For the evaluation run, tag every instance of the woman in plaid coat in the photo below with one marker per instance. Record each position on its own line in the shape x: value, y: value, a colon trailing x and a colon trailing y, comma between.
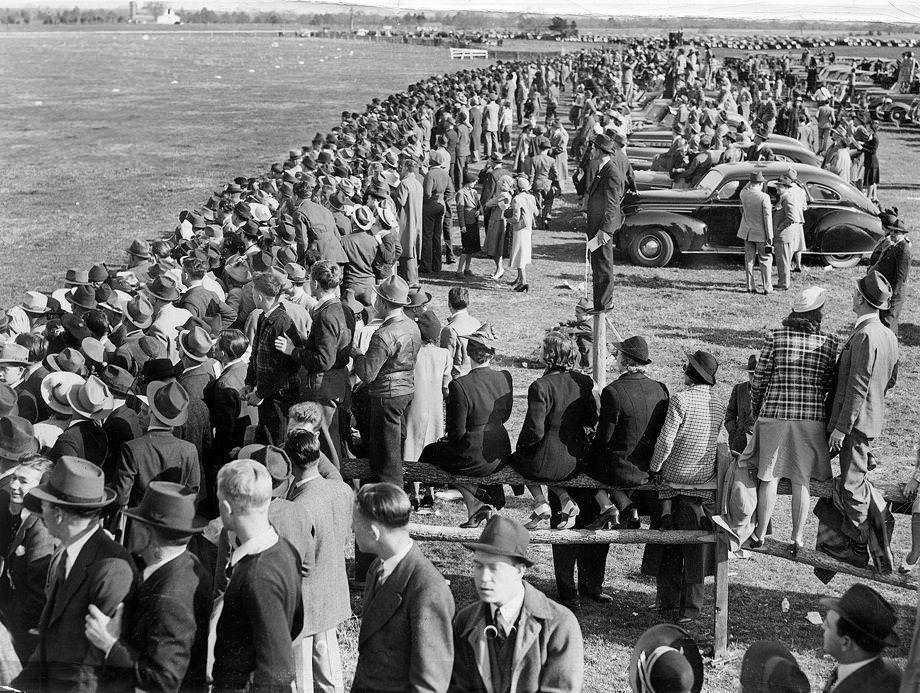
x: 794, y: 374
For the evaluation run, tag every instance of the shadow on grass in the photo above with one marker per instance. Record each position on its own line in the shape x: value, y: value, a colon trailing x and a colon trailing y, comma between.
x: 644, y: 281
x: 909, y: 334
x: 721, y: 336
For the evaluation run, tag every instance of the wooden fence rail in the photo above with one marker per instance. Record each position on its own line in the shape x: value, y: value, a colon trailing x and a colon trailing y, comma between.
x: 428, y: 474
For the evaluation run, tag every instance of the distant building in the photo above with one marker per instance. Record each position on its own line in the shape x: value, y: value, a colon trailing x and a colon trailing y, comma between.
x: 431, y: 28
x: 169, y: 17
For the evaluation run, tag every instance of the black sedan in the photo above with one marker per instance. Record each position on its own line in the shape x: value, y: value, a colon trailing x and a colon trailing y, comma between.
x: 841, y: 224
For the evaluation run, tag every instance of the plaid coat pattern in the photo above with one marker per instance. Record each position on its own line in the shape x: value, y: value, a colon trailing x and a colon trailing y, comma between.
x: 686, y: 449
x: 794, y: 374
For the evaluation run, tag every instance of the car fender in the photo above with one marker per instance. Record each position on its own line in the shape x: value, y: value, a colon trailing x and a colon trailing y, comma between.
x: 688, y: 233
x: 845, y: 232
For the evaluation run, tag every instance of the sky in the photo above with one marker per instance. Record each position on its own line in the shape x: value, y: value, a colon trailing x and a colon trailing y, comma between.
x: 870, y: 10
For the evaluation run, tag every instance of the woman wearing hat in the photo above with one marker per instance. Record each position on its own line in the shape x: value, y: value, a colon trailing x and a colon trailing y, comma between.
x: 497, y: 229
x: 791, y: 382
x: 477, y: 442
x: 892, y: 259
x: 561, y: 409
x: 666, y: 659
x: 523, y: 216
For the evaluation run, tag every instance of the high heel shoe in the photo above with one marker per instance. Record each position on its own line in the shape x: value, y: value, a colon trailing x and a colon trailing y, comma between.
x: 608, y: 519
x: 755, y: 543
x: 794, y: 549
x: 539, y: 515
x: 629, y: 517
x: 522, y: 288
x: 567, y: 515
x: 497, y: 275
x: 906, y: 567
x: 484, y: 514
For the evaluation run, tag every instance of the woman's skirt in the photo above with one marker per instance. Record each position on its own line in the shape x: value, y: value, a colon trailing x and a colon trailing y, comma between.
x: 788, y: 449
x: 520, y: 249
x: 495, y: 237
x: 469, y: 238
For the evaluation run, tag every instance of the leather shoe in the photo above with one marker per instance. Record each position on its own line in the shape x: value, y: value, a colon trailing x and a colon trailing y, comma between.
x: 478, y: 517
x: 600, y: 598
x: 573, y: 605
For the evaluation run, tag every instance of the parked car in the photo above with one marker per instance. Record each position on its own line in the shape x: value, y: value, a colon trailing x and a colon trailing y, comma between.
x: 841, y: 224
x: 641, y: 159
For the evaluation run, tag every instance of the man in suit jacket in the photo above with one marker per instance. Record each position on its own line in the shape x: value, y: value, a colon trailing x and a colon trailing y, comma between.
x: 513, y: 638
x: 225, y: 401
x: 857, y: 628
x: 163, y: 645
x: 315, y: 226
x: 90, y: 569
x: 325, y: 356
x: 892, y: 260
x: 756, y: 230
x: 198, y: 300
x: 405, y: 641
x: 866, y: 370
x: 328, y: 503
x: 158, y: 454
x: 739, y: 419
x: 84, y: 436
x: 197, y: 367
x: 789, y: 232
x: 26, y: 548
x: 603, y: 207
x: 408, y: 199
x: 490, y: 116
x: 437, y: 192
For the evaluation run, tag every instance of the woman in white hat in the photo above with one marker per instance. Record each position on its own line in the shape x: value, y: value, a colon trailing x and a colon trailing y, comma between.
x: 793, y: 377
x: 524, y: 212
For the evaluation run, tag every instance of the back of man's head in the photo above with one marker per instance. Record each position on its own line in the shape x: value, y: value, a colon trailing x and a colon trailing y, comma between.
x: 267, y: 283
x: 302, y: 446
x: 245, y: 485
x: 458, y: 297
x: 384, y: 503
x: 326, y: 274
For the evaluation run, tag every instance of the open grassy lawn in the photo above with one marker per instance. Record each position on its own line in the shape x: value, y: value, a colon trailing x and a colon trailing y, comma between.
x: 108, y: 137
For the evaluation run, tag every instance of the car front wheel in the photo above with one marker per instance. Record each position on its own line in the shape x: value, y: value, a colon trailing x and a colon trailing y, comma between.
x: 897, y: 115
x: 651, y: 248
x: 842, y: 261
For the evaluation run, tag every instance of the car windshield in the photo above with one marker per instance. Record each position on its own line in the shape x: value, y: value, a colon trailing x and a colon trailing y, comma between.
x: 709, y: 181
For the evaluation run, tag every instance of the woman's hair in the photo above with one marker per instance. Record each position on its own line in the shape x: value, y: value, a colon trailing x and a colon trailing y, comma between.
x: 808, y: 322
x: 478, y: 353
x: 560, y: 351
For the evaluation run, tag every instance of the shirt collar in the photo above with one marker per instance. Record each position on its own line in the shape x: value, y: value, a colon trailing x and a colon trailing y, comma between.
x: 389, y: 564
x: 172, y: 553
x: 308, y: 479
x: 231, y: 363
x: 511, y: 609
x: 323, y: 301
x: 255, y: 545
x: 844, y: 670
x: 864, y: 318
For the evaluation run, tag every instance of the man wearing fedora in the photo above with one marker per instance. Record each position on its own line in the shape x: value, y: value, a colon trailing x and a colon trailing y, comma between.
x: 388, y: 369
x: 198, y: 300
x: 513, y: 638
x: 123, y: 424
x: 138, y: 259
x: 405, y: 641
x: 138, y: 316
x: 163, y: 294
x: 788, y: 231
x: 17, y: 438
x: 14, y: 361
x: 162, y: 645
x: 158, y: 454
x: 198, y: 369
x: 90, y: 569
x: 685, y: 458
x: 612, y: 178
x: 84, y: 436
x: 360, y: 249
x: 325, y: 355
x: 866, y: 370
x: 271, y: 379
x: 315, y: 225
x: 756, y: 230
x: 892, y: 260
x: 408, y: 198
x: 857, y: 629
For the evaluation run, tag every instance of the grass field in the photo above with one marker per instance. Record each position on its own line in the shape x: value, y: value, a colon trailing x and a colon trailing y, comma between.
x: 109, y: 136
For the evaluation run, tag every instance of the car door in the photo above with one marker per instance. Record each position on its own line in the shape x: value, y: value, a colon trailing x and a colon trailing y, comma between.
x: 722, y: 215
x: 821, y: 199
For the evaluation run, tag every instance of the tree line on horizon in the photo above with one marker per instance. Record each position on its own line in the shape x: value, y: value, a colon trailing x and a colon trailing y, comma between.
x: 450, y: 21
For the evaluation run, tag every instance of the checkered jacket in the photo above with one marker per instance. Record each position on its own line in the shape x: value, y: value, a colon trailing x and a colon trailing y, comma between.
x: 686, y: 449
x: 794, y: 375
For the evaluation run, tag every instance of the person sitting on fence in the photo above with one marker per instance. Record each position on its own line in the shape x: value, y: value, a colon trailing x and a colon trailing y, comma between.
x: 791, y: 383
x: 685, y: 459
x: 477, y: 443
x: 522, y: 641
x: 857, y: 629
x: 561, y: 409
x: 769, y: 667
x: 632, y: 412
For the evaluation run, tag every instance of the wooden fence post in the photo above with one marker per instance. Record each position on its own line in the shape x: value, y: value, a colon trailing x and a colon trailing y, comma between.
x: 599, y: 350
x: 720, y: 641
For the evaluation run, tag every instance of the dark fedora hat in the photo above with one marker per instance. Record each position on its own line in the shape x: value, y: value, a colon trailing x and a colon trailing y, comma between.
x: 705, y: 364
x: 635, y: 348
x: 98, y: 273
x: 875, y: 289
x: 9, y: 402
x: 168, y: 401
x: 82, y: 296
x: 139, y: 248
x: 160, y: 369
x: 75, y: 327
x: 666, y: 657
x: 17, y: 438
x: 168, y: 506
x: 604, y: 144
x: 418, y: 297
x: 752, y: 363
x: 868, y: 612
x: 503, y: 536
x: 163, y: 288
x: 195, y: 343
x: 72, y: 483
x: 484, y: 336
x: 119, y: 380
x: 756, y: 177
x: 278, y: 464
x: 768, y: 665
